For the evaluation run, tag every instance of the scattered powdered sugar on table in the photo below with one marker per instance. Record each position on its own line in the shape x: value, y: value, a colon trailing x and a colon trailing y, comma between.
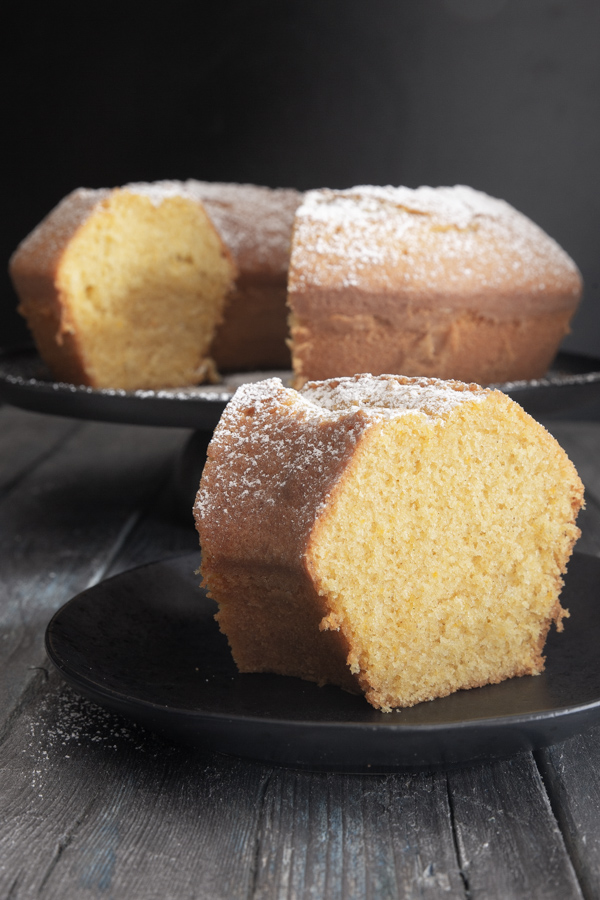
x: 62, y: 725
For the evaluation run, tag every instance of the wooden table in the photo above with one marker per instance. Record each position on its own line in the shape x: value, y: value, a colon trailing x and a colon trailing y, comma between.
x: 93, y: 806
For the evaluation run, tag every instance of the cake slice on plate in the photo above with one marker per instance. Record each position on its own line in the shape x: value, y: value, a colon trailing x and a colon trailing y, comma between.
x: 401, y: 537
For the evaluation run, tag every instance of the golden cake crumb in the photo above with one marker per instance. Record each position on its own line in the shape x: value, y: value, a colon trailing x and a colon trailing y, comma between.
x: 124, y: 288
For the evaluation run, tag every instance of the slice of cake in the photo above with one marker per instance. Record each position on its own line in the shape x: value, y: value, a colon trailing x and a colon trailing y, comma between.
x: 443, y: 282
x: 124, y: 288
x: 400, y: 537
x: 255, y: 223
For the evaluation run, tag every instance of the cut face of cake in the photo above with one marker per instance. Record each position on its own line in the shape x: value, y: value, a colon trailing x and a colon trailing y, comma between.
x: 444, y: 282
x: 124, y: 288
x: 404, y: 538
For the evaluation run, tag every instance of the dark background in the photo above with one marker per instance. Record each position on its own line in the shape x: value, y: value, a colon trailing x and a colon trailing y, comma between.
x: 503, y: 95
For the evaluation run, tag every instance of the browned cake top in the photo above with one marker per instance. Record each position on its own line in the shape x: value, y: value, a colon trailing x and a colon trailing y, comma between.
x: 451, y: 244
x: 255, y: 222
x: 270, y: 436
x: 47, y: 241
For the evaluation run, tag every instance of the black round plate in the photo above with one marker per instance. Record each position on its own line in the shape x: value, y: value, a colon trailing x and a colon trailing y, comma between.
x: 145, y: 645
x: 26, y: 382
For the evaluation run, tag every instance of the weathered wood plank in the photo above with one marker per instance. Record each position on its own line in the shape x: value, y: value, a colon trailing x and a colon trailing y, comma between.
x: 339, y: 836
x: 59, y: 528
x: 508, y: 839
x: 26, y: 439
x: 94, y: 806
x: 344, y: 836
x: 571, y: 771
x: 157, y: 535
x: 104, y: 808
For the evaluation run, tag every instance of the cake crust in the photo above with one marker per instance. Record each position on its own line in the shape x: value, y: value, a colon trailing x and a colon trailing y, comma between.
x: 33, y: 268
x: 255, y: 223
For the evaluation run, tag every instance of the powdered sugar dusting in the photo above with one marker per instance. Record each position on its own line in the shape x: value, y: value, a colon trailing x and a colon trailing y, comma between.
x: 271, y: 442
x: 454, y: 206
x: 255, y: 222
x: 390, y: 395
x: 159, y: 191
x: 48, y: 239
x: 435, y: 241
x: 42, y: 248
x: 271, y: 436
x: 277, y: 454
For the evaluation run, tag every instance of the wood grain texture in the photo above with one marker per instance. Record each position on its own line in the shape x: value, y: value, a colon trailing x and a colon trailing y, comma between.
x: 26, y: 439
x: 338, y: 836
x: 159, y: 534
x: 108, y: 810
x: 93, y: 806
x: 104, y: 808
x: 60, y: 526
x: 509, y: 843
x: 571, y: 771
